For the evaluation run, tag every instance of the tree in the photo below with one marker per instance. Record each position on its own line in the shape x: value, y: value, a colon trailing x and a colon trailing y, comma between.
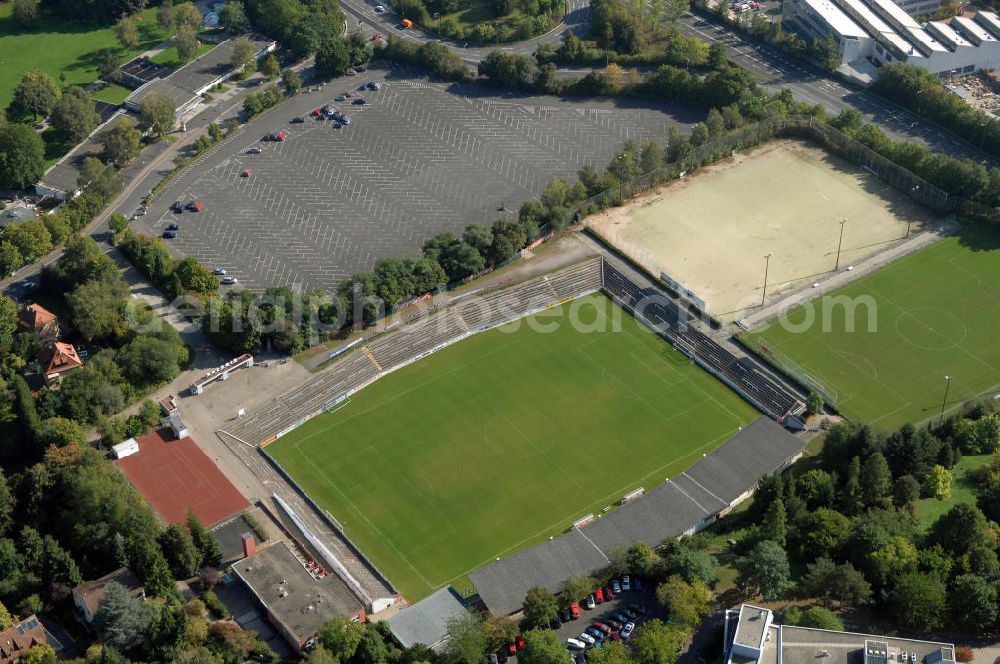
x: 540, y: 608
x: 243, y: 54
x: 542, y: 646
x: 25, y: 11
x: 500, y: 630
x: 775, y: 523
x: 98, y: 309
x: 333, y: 59
x: 717, y: 58
x: 766, y: 569
x: 74, y: 114
x: 31, y: 238
x: 641, y: 559
x: 973, y: 602
x: 692, y: 564
x: 165, y: 16
x: 109, y: 65
x: 611, y: 652
x: 699, y: 135
x: 121, y: 620
x: 961, y: 529
x: 937, y: 484
x: 876, y: 481
x: 851, y: 500
x: 233, y: 17
x: 905, y: 491
x: 320, y: 655
x: 180, y: 551
x: 157, y: 113
x: 60, y: 432
x: 687, y: 604
x: 205, y: 542
x: 823, y: 532
x: 578, y: 587
x: 40, y: 654
x: 268, y: 66
x: 122, y: 143
x: 290, y: 78
x: 195, y: 277
x: 127, y: 32
x: 816, y: 617
x: 6, y: 620
x: 188, y: 14
x: 460, y: 260
x: 468, y: 642
x: 918, y: 600
x: 341, y: 637
x: 657, y: 643
x: 814, y: 404
x: 187, y: 43
x: 36, y: 94
x: 7, y: 505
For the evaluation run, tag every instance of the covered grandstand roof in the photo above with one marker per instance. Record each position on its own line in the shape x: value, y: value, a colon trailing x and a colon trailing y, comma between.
x: 426, y: 621
x: 677, y: 506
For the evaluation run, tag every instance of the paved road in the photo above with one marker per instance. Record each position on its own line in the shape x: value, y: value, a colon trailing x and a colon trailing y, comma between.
x: 778, y: 71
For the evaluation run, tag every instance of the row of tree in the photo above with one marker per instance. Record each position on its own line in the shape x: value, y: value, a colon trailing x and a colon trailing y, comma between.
x: 512, y: 19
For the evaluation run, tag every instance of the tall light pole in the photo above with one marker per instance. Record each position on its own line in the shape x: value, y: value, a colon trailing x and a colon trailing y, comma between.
x: 947, y: 386
x: 909, y: 220
x: 767, y: 265
x: 621, y: 180
x: 840, y: 244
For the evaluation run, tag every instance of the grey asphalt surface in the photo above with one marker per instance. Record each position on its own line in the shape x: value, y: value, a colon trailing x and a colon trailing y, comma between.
x: 421, y: 158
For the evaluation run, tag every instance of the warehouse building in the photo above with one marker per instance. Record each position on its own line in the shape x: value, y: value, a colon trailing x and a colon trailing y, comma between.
x: 871, y: 33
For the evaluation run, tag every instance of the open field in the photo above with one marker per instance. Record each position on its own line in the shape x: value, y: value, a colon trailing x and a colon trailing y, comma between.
x: 504, y: 439
x: 712, y: 230
x: 931, y: 314
x: 58, y: 45
x: 930, y: 510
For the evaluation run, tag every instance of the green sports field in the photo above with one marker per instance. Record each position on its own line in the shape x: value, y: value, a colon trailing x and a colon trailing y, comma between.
x: 506, y: 438
x: 936, y: 313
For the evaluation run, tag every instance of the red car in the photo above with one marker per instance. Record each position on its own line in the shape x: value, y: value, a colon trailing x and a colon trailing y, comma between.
x: 317, y: 112
x: 574, y: 609
x: 246, y: 173
x: 520, y: 641
x: 599, y: 596
x: 511, y: 649
x: 602, y: 627
x: 608, y: 595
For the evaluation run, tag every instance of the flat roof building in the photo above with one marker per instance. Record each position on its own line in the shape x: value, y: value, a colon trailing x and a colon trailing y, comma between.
x: 298, y: 602
x: 757, y: 639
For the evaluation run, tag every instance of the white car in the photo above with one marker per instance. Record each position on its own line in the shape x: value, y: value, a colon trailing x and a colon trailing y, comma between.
x: 590, y: 602
x: 626, y: 583
x: 587, y: 638
x: 627, y: 630
x: 576, y: 644
x: 229, y: 281
x: 379, y: 9
x: 219, y: 272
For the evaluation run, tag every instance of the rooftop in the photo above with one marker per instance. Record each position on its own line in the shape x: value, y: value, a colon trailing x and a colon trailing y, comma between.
x: 91, y: 592
x: 295, y: 598
x: 750, y: 630
x: 61, y: 357
x: 20, y: 637
x: 35, y: 316
x: 426, y: 621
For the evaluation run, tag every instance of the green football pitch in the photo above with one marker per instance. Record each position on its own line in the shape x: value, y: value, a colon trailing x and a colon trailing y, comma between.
x: 935, y: 313
x: 501, y: 440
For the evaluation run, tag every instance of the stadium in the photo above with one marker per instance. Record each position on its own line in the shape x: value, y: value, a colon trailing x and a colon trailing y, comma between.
x: 490, y: 428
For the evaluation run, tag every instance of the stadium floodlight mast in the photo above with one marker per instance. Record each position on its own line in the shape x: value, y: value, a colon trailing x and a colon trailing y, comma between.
x: 909, y: 220
x: 944, y: 402
x: 840, y: 244
x: 767, y: 265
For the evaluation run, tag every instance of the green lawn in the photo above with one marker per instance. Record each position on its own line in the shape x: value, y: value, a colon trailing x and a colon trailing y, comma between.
x: 962, y: 490
x: 504, y: 439
x: 169, y: 57
x: 113, y: 94
x: 60, y: 46
x: 55, y: 147
x: 932, y: 314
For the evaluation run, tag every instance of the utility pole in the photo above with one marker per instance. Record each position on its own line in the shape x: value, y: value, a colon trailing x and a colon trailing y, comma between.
x: 909, y: 220
x: 767, y: 265
x: 621, y: 180
x: 840, y: 244
x: 947, y: 386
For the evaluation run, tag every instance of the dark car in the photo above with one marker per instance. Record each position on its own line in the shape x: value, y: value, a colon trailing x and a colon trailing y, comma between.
x: 501, y: 656
x: 608, y: 595
x: 360, y: 101
x: 173, y: 227
x: 556, y: 623
x: 194, y: 206
x: 298, y: 119
x: 632, y: 615
x: 169, y: 235
x: 635, y: 608
x: 177, y: 207
x: 613, y: 624
x: 567, y: 615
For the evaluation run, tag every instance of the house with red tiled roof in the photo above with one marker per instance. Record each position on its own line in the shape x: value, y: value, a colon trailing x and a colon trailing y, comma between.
x: 59, y: 358
x: 87, y: 596
x: 17, y: 639
x: 39, y: 320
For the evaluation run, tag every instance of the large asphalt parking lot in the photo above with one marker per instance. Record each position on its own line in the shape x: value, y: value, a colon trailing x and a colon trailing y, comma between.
x: 420, y: 158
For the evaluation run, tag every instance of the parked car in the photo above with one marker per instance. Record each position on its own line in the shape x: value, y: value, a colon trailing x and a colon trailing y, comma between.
x: 590, y: 602
x: 379, y: 9
x: 615, y: 586
x: 345, y: 120
x: 575, y: 644
x: 169, y: 235
x: 194, y: 206
x: 637, y: 583
x: 626, y: 583
x: 316, y: 112
x: 635, y: 608
x: 615, y: 625
x: 177, y: 207
x: 348, y: 94
x: 246, y: 173
x: 574, y: 610
x: 511, y: 648
x: 631, y: 615
x: 219, y: 272
x: 360, y: 68
x: 596, y: 633
x: 372, y: 85
x: 173, y: 227
x: 519, y: 641
x: 587, y: 638
x: 492, y: 659
x: 627, y: 630
x: 599, y: 595
x: 608, y: 595
x: 556, y: 623
x: 619, y: 617
x: 340, y: 98
x: 566, y: 615
x: 502, y: 656
x: 601, y: 626
x: 362, y: 87
x: 229, y: 281
x: 360, y: 101
x: 579, y: 658
x: 254, y: 151
x: 298, y: 119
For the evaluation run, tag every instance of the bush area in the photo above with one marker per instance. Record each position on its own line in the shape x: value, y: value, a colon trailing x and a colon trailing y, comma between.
x: 925, y: 94
x: 484, y: 21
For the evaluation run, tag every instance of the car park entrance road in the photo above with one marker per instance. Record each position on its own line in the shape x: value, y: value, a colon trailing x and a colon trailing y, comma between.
x: 416, y: 160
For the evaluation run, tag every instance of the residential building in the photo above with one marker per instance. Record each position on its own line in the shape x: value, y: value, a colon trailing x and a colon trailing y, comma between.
x: 40, y: 321
x: 297, y: 599
x: 59, y: 358
x: 753, y: 637
x: 20, y: 637
x: 87, y: 596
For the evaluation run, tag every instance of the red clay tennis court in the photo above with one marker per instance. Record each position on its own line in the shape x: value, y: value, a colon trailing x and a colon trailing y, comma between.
x: 175, y: 475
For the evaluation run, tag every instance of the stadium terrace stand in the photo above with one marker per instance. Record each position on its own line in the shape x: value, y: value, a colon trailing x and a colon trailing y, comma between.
x: 681, y: 505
